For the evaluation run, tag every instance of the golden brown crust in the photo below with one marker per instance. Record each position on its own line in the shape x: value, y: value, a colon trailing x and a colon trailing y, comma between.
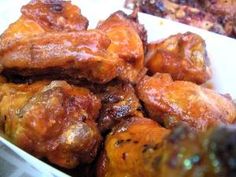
x: 126, y: 34
x: 47, y: 40
x: 40, y: 16
x: 184, y: 56
x: 130, y: 148
x: 55, y: 15
x: 52, y: 120
x: 78, y: 54
x: 174, y: 101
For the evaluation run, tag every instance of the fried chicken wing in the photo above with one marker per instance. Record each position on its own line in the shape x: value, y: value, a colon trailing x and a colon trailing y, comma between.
x: 130, y: 149
x: 52, y: 120
x: 119, y: 102
x: 128, y: 39
x: 61, y: 55
x: 41, y: 16
x: 55, y: 15
x: 135, y: 151
x: 174, y: 101
x: 185, y: 153
x: 184, y: 56
x: 47, y: 41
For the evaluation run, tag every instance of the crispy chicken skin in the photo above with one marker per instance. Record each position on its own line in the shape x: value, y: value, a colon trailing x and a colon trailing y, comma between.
x: 55, y: 15
x: 75, y: 55
x: 184, y: 56
x: 52, y: 120
x: 171, y: 101
x: 128, y: 39
x: 44, y: 42
x: 119, y: 102
x: 135, y: 151
x: 186, y: 153
x: 41, y: 16
x: 130, y: 149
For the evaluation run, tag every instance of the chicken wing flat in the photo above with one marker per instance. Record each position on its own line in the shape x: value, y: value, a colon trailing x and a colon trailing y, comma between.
x: 41, y: 16
x: 59, y: 55
x: 133, y: 150
x: 171, y: 101
x: 52, y: 120
x: 119, y: 102
x: 130, y: 149
x: 184, y: 56
x: 47, y: 42
x: 128, y: 39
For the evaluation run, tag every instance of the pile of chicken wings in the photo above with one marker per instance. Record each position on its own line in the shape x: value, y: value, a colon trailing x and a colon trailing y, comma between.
x: 106, y: 97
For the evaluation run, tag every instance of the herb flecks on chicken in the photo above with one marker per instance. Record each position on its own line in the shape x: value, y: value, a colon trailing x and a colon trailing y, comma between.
x: 139, y: 147
x: 119, y: 102
x: 130, y: 148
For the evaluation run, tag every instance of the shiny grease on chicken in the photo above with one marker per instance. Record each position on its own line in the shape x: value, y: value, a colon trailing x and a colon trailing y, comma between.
x: 171, y: 101
x: 46, y: 43
x: 72, y: 55
x: 128, y: 40
x: 140, y: 147
x: 40, y: 16
x: 51, y: 120
x: 183, y: 56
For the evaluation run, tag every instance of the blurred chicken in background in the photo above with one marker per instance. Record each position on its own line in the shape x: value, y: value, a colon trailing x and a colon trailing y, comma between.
x: 214, y: 15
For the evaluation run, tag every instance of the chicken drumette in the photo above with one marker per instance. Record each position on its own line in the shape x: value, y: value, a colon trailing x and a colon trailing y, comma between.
x: 128, y: 40
x: 52, y: 120
x: 171, y: 101
x: 130, y: 148
x: 184, y: 56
